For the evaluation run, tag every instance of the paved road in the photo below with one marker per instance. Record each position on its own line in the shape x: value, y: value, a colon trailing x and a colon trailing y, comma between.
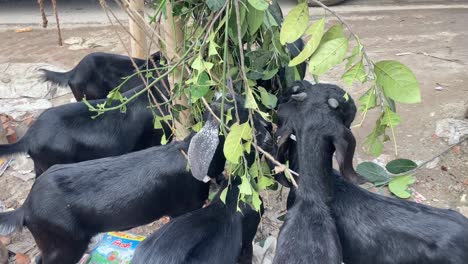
x: 73, y: 13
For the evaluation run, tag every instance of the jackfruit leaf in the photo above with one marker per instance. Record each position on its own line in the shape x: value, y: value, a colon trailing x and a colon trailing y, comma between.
x: 355, y: 73
x: 233, y: 147
x: 295, y: 24
x: 401, y: 166
x: 397, y: 81
x: 372, y: 172
x: 399, y: 186
x: 315, y: 32
x: 328, y: 55
x: 259, y: 4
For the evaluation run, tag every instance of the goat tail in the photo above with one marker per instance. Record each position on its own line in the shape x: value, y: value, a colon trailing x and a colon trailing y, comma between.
x: 59, y: 78
x: 11, y: 221
x: 10, y: 149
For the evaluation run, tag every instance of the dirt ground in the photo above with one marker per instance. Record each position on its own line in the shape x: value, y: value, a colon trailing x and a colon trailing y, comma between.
x: 432, y: 42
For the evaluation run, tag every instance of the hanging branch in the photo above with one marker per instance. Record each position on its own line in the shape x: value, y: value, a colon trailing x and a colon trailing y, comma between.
x: 44, y: 17
x: 54, y: 5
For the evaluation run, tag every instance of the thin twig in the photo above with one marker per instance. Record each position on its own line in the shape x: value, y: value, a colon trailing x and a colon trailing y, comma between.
x: 44, y: 17
x: 433, y: 158
x: 54, y: 5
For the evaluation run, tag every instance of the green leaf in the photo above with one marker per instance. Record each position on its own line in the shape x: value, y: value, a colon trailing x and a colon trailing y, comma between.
x: 372, y: 172
x: 163, y: 140
x: 259, y: 4
x: 158, y: 121
x: 250, y: 100
x: 233, y: 147
x: 355, y: 73
x: 233, y: 23
x: 333, y: 32
x: 346, y: 96
x: 374, y: 144
x: 328, y: 55
x: 315, y: 32
x: 269, y: 20
x: 264, y: 182
x: 197, y: 64
x: 368, y: 100
x: 202, y: 87
x: 253, y: 170
x: 399, y: 186
x: 268, y: 100
x: 254, y: 19
x: 267, y: 75
x: 215, y: 5
x: 256, y: 202
x: 265, y: 116
x: 390, y: 118
x: 295, y: 23
x: 357, y: 52
x: 401, y: 166
x: 223, y: 194
x: 197, y: 127
x: 245, y: 187
x: 213, y: 46
x: 397, y: 82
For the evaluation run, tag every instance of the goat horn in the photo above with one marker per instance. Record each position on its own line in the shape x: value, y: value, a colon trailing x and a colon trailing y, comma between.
x: 333, y: 103
x: 299, y: 97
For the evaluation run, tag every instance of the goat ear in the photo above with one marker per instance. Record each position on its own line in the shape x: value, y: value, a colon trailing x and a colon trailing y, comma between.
x: 345, y: 144
x: 202, y: 150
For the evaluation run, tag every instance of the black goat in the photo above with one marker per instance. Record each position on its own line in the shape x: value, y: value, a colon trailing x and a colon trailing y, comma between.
x: 214, y: 234
x: 379, y: 229
x: 309, y: 234
x: 98, y: 73
x: 71, y: 203
x: 68, y: 134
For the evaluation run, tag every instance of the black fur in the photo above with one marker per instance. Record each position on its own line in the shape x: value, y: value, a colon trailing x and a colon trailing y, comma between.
x: 98, y: 73
x: 214, y: 234
x: 68, y: 134
x: 386, y: 230
x: 309, y: 234
x: 71, y: 203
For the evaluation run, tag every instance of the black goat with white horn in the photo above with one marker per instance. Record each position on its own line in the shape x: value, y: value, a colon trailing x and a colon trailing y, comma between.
x: 373, y: 228
x: 309, y: 234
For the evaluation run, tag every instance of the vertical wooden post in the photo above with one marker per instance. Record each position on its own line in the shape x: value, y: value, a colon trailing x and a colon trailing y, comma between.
x: 174, y: 37
x: 44, y: 17
x: 138, y: 42
x: 54, y: 6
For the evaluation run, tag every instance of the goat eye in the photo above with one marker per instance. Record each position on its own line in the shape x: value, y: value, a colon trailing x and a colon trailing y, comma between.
x: 333, y: 103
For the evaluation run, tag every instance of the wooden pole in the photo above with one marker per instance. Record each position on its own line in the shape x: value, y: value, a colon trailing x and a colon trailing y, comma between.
x: 138, y: 41
x: 54, y: 5
x: 174, y: 37
x: 44, y: 17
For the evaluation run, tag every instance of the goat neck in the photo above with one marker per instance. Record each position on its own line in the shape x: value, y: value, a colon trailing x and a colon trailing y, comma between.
x: 315, y: 167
